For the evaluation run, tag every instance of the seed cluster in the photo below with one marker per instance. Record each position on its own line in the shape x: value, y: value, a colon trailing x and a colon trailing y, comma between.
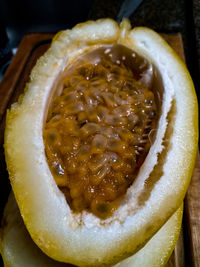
x: 96, y: 134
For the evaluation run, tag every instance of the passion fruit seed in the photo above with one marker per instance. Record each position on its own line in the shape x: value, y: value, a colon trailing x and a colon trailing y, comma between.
x: 100, y: 122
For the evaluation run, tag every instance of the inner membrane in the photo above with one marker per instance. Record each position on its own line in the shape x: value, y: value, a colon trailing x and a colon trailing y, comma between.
x: 100, y: 126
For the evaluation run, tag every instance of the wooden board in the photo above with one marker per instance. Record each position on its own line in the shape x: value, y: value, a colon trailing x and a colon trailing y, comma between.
x: 187, y: 251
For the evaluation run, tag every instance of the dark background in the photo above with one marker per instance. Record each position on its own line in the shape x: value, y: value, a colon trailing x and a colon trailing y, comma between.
x: 169, y: 16
x: 19, y: 17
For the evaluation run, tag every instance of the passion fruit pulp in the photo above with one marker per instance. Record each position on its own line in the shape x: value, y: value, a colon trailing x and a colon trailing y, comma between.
x: 99, y: 125
x: 163, y: 177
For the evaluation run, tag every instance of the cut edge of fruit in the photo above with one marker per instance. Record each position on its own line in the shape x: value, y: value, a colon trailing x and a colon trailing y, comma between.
x: 18, y: 249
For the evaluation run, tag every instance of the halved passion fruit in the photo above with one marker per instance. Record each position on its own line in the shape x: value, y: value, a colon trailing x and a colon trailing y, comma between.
x: 18, y: 249
x: 101, y: 147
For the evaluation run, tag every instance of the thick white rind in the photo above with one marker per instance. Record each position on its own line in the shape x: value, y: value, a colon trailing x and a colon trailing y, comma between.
x: 46, y: 214
x: 18, y: 249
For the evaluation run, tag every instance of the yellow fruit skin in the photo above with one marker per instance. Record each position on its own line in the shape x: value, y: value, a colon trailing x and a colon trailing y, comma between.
x: 48, y: 218
x: 18, y: 249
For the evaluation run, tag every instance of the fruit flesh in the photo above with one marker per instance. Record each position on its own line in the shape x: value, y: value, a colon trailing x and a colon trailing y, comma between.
x: 97, y: 133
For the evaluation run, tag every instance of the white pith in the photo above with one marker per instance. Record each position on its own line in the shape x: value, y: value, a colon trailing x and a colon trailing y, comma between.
x: 18, y: 249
